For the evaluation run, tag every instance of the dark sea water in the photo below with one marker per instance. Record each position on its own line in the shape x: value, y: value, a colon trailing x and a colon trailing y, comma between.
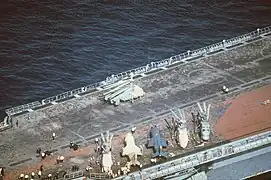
x: 47, y: 47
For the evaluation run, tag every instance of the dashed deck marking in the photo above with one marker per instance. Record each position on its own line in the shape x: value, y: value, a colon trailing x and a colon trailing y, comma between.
x: 78, y: 135
x: 20, y: 162
x: 164, y: 113
x: 224, y: 72
x: 198, y: 59
x: 168, y: 106
x: 262, y: 58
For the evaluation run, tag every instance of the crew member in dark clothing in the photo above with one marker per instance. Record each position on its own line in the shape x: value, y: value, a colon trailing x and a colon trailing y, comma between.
x: 38, y: 151
x: 41, y: 168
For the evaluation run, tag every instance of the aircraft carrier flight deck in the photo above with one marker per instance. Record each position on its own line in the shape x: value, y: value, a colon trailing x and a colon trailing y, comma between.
x: 241, y: 67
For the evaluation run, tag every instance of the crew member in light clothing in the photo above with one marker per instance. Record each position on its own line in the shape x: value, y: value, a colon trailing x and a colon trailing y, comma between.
x: 133, y: 130
x: 32, y: 175
x: 54, y: 135
x: 39, y: 173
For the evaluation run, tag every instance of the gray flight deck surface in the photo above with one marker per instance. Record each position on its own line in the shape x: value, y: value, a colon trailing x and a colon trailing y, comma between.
x: 83, y: 118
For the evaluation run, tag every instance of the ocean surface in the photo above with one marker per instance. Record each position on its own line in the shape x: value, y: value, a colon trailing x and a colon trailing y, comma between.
x: 48, y: 47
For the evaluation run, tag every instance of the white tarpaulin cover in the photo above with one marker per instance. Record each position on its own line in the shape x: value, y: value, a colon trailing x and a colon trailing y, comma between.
x: 124, y: 92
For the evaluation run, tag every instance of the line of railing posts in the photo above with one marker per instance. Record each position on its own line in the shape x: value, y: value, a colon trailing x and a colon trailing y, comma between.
x: 141, y: 70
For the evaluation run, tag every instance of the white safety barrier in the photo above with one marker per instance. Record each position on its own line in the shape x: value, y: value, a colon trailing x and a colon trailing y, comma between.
x: 141, y: 70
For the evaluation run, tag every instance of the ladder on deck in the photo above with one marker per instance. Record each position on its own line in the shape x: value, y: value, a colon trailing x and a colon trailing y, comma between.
x: 74, y: 175
x: 99, y: 176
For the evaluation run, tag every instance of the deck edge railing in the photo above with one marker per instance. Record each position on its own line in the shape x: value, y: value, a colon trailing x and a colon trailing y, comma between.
x: 141, y: 70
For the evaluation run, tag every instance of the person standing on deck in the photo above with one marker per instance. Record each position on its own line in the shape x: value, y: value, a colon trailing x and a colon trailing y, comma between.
x: 39, y: 174
x: 1, y: 173
x: 43, y: 155
x: 41, y: 168
x: 53, y: 136
x: 38, y: 151
x: 133, y: 130
x: 32, y: 175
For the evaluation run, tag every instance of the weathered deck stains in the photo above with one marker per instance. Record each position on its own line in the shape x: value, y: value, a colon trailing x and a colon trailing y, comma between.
x: 246, y: 114
x: 87, y: 116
